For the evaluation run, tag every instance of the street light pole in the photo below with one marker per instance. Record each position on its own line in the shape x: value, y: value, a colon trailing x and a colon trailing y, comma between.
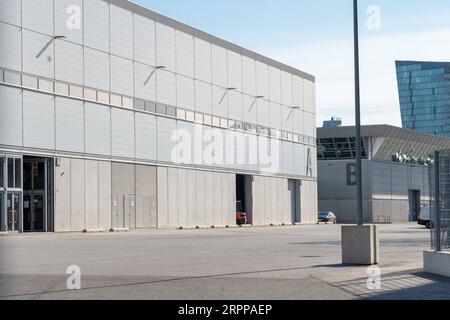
x: 359, y: 206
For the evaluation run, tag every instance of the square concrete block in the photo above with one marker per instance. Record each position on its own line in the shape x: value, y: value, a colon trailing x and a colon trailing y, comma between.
x: 360, y: 245
x: 437, y: 263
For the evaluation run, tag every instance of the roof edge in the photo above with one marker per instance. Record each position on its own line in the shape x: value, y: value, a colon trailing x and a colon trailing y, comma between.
x: 148, y: 13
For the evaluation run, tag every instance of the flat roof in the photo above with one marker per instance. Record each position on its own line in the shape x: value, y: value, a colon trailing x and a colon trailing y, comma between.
x: 147, y: 13
x: 378, y: 130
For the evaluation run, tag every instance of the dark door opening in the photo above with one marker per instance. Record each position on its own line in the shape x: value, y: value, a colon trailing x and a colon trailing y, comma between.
x: 37, y: 194
x: 244, y: 199
x: 414, y: 205
x: 294, y: 195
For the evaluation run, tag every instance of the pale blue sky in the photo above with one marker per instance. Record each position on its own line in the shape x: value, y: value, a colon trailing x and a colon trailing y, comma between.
x: 316, y: 37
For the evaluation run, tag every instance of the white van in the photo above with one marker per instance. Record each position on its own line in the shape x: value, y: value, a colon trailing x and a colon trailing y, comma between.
x: 425, y: 217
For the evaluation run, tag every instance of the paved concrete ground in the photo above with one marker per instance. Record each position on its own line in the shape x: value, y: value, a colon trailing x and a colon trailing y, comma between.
x: 301, y: 262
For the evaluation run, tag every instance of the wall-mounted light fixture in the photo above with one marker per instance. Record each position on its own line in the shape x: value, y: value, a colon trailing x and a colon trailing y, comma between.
x: 153, y: 72
x: 48, y: 44
x: 290, y: 112
x: 225, y: 93
x: 254, y: 101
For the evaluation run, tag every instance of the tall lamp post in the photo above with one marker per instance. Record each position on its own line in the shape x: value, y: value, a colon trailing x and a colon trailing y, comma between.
x: 359, y: 206
x: 360, y: 243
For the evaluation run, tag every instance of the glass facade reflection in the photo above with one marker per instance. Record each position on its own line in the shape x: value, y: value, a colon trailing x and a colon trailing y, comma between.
x: 424, y: 90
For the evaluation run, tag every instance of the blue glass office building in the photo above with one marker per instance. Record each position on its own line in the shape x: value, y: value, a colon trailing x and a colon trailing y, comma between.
x: 424, y: 90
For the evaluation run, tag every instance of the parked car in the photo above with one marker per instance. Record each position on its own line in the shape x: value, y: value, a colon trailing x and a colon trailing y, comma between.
x: 425, y: 217
x: 327, y: 217
x: 241, y: 216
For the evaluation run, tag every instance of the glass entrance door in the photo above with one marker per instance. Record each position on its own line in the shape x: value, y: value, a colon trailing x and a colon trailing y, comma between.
x: 13, y: 211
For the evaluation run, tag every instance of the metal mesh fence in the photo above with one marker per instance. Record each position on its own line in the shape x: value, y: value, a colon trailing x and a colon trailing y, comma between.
x: 439, y: 177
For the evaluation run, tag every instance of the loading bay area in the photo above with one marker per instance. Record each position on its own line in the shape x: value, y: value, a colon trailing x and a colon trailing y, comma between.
x: 266, y: 263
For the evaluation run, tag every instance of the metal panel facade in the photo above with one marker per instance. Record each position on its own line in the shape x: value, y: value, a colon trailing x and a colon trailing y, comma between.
x: 11, y: 112
x: 69, y: 125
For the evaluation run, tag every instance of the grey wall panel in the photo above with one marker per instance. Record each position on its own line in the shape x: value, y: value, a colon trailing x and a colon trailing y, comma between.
x: 121, y: 32
x: 203, y: 61
x: 217, y: 196
x: 62, y: 196
x: 299, y: 160
x: 98, y: 129
x: 96, y: 24
x: 219, y: 102
x: 249, y: 76
x: 145, y: 87
x: 203, y: 97
x: 200, y: 188
x: 182, y: 200
x: 263, y: 112
x: 69, y: 125
x: 69, y: 62
x: 165, y: 43
x: 185, y: 143
x: 77, y: 195
x: 270, y: 216
x: 298, y: 122
x: 309, y: 128
x: 69, y: 19
x: 123, y: 184
x: 37, y: 15
x: 10, y: 46
x: 172, y: 191
x: 91, y: 176
x: 96, y: 69
x: 104, y: 195
x: 166, y: 127
x: 258, y: 210
x: 275, y: 116
x: 122, y: 137
x: 309, y: 206
x: 234, y: 70
x: 274, y: 84
x: 219, y: 66
x: 11, y: 11
x: 226, y: 200
x: 232, y: 190
x: 309, y: 93
x: 287, y: 157
x: 184, y: 54
x: 191, y: 198
x: 186, y: 93
x: 298, y: 92
x: 286, y: 89
x: 262, y: 79
x: 145, y: 196
x: 209, y: 198
x: 287, y: 118
x: 166, y: 88
x: 251, y: 150
x: 144, y: 40
x: 10, y: 116
x: 235, y: 109
x: 38, y: 54
x: 162, y: 193
x: 122, y: 76
x: 250, y: 109
x: 146, y: 147
x: 38, y: 120
x: 272, y: 197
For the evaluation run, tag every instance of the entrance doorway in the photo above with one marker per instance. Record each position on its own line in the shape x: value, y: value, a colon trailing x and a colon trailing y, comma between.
x: 414, y: 205
x: 10, y: 193
x: 13, y: 211
x: 244, y: 199
x: 294, y: 195
x: 37, y: 194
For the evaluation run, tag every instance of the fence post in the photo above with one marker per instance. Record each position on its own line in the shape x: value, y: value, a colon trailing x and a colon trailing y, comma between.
x: 437, y: 202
